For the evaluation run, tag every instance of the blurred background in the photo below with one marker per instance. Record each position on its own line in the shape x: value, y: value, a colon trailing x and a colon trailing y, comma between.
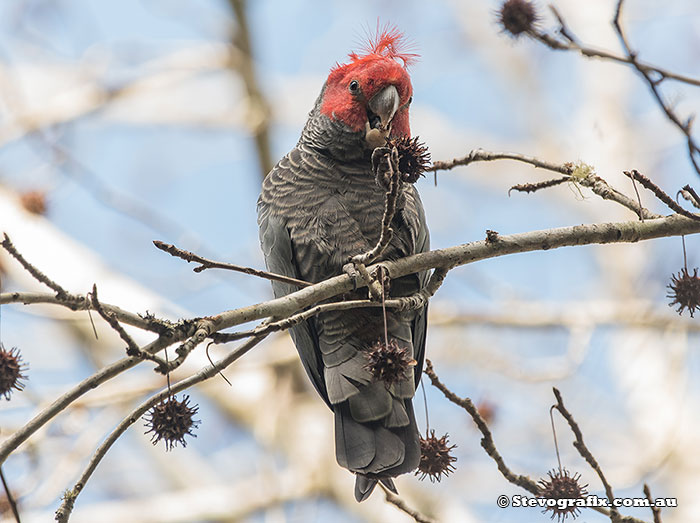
x: 125, y: 122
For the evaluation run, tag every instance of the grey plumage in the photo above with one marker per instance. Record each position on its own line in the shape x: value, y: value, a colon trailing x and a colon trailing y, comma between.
x: 319, y: 206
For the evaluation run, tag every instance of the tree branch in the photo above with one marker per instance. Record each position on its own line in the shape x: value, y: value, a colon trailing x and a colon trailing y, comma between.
x: 293, y: 303
x: 570, y: 43
x: 210, y: 264
x: 587, y: 455
x: 36, y: 273
x: 401, y: 505
x: 487, y: 440
x: 80, y: 303
x: 577, y: 173
x: 64, y: 511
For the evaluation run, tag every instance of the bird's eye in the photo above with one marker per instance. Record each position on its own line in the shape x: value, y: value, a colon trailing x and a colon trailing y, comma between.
x: 354, y: 86
x: 410, y: 100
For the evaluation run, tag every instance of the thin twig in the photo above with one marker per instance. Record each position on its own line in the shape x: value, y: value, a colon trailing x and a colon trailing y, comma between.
x: 656, y: 511
x: 577, y: 173
x: 88, y: 384
x: 36, y: 273
x: 487, y: 440
x: 294, y: 319
x: 132, y: 348
x: 479, y: 155
x: 360, y: 261
x: 415, y: 301
x: 586, y: 454
x: 80, y: 303
x: 489, y: 446
x: 689, y: 194
x: 401, y: 505
x: 660, y: 194
x: 64, y: 511
x: 533, y: 187
x: 10, y: 497
x: 685, y: 127
x: 210, y: 264
x: 572, y: 44
x: 653, y: 75
x: 204, y: 329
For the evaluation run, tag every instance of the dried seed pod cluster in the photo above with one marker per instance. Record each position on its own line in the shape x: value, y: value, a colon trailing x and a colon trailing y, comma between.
x: 562, y: 485
x: 414, y: 158
x: 517, y: 17
x: 171, y: 420
x: 435, y: 458
x: 12, y: 371
x: 389, y: 363
x: 684, y: 290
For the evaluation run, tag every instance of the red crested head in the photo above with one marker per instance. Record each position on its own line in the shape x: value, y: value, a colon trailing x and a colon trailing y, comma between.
x: 373, y: 91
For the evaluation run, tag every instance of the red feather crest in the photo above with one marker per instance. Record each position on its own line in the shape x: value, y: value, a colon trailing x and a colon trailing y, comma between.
x: 387, y: 42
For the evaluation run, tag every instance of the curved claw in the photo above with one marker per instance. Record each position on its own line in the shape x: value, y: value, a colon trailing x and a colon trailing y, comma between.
x: 350, y: 270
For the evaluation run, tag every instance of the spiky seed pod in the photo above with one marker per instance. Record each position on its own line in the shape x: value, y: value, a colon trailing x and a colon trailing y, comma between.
x: 517, y: 17
x: 435, y: 458
x: 684, y: 290
x: 12, y: 370
x: 562, y: 485
x: 414, y: 158
x: 389, y: 363
x: 171, y: 420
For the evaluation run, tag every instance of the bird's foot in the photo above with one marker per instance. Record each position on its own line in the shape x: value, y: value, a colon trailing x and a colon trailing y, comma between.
x: 355, y: 277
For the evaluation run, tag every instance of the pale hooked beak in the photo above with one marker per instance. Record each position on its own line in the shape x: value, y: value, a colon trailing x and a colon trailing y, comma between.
x: 381, y: 109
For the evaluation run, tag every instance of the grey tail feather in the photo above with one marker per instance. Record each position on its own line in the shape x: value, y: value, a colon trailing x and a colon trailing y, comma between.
x: 364, y: 487
x: 389, y: 484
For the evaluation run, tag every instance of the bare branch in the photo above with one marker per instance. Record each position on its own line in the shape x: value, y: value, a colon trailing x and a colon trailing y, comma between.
x: 572, y: 44
x: 534, y: 187
x: 36, y: 273
x: 479, y: 155
x: 64, y: 511
x: 586, y: 454
x: 79, y: 303
x: 689, y: 194
x: 132, y: 348
x: 210, y: 264
x: 653, y: 75
x: 88, y: 384
x: 303, y: 298
x: 577, y: 173
x: 487, y: 440
x: 401, y: 505
x: 660, y: 194
x: 656, y: 511
x: 10, y: 497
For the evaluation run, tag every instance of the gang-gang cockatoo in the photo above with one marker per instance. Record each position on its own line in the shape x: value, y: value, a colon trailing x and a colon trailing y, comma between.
x: 320, y: 206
